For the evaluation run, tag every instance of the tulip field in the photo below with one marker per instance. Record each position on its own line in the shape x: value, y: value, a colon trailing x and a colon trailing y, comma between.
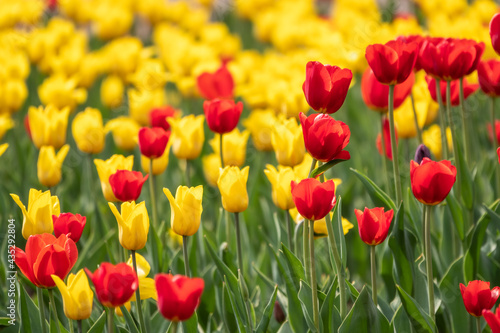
x: 284, y: 166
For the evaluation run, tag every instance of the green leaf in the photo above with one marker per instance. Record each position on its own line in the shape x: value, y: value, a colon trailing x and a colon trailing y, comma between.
x: 237, y: 315
x: 268, y: 312
x: 449, y: 286
x: 98, y: 326
x: 400, y: 320
x: 419, y: 319
x: 191, y: 325
x: 228, y: 315
x: 130, y: 321
x: 305, y: 297
x: 325, y: 167
x: 330, y: 316
x: 267, y: 280
x: 294, y: 265
x: 465, y: 178
x: 379, y: 197
x: 365, y: 317
x: 338, y: 232
x: 457, y: 214
x: 25, y: 313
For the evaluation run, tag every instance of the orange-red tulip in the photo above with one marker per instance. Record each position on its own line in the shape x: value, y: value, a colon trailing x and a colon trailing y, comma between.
x: 312, y: 198
x: 222, y: 114
x: 432, y: 181
x: 127, y: 185
x: 373, y: 224
x: 477, y: 297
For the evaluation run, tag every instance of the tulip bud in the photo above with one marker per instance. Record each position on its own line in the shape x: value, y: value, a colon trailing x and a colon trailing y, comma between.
x: 49, y: 165
x: 222, y: 115
x: 186, y: 209
x: 188, y: 136
x: 133, y: 224
x: 422, y: 151
x: 432, y: 181
x: 232, y: 185
x: 278, y: 312
x: 127, y: 185
x: 153, y: 141
x: 108, y: 167
x: 76, y: 294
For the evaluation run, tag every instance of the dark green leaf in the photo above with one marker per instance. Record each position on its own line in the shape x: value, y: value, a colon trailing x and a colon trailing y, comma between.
x: 379, y: 197
x: 325, y: 167
x: 268, y: 312
x: 419, y: 319
x: 129, y: 320
x: 457, y: 214
x: 98, y: 326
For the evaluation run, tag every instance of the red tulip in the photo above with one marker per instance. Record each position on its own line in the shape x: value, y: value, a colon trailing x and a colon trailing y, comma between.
x: 477, y: 297
x: 127, y: 185
x: 498, y: 153
x: 450, y: 59
x: 153, y: 141
x: 373, y: 224
x: 324, y: 137
x: 114, y: 285
x: 493, y: 319
x: 393, y: 62
x: 46, y: 255
x: 69, y: 225
x: 222, y: 114
x: 432, y: 181
x: 495, y: 32
x: 490, y: 131
x: 158, y: 116
x: 488, y: 73
x: 312, y: 198
x: 27, y: 126
x: 417, y: 39
x: 376, y: 95
x: 387, y: 140
x: 469, y: 89
x: 219, y: 84
x: 325, y: 87
x: 178, y: 295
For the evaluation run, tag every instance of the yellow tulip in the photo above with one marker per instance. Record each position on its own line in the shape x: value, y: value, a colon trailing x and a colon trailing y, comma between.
x: 177, y: 239
x: 186, y: 209
x: 320, y: 229
x: 49, y: 165
x: 280, y: 180
x: 14, y: 94
x: 76, y: 294
x: 159, y: 164
x: 3, y: 148
x: 234, y: 146
x: 141, y: 102
x: 211, y: 168
x: 48, y: 125
x: 188, y: 136
x: 405, y: 119
x: 133, y: 224
x: 110, y: 166
x: 88, y: 131
x: 260, y: 124
x: 112, y: 89
x: 432, y: 139
x: 112, y: 20
x: 37, y: 219
x: 61, y: 92
x: 302, y: 170
x: 288, y: 142
x: 232, y: 185
x: 124, y: 130
x: 6, y: 123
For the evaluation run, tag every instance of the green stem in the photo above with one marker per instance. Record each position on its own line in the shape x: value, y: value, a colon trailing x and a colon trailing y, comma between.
x: 138, y: 296
x: 442, y: 121
x: 185, y: 252
x: 453, y: 134
x: 312, y: 269
x: 238, y: 241
x: 221, y: 153
x: 188, y: 171
x: 305, y: 250
x: 153, y: 194
x: 54, y: 309
x: 289, y: 230
x: 228, y: 228
x: 395, y: 162
x: 495, y: 143
x: 80, y: 330
x: 297, y: 233
x: 464, y: 123
x: 428, y: 259
x: 419, y: 130
x: 174, y: 326
x: 384, y: 159
x: 374, y: 275
x: 110, y: 313
x: 71, y: 328
x: 478, y: 324
x: 41, y: 307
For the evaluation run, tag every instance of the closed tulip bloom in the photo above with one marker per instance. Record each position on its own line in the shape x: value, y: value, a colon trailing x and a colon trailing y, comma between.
x: 280, y: 181
x: 392, y: 62
x: 153, y: 141
x: 387, y: 140
x: 158, y: 117
x: 432, y: 181
x: 159, y: 164
x: 127, y: 185
x: 325, y: 138
x: 188, y: 136
x: 46, y: 255
x: 260, y: 124
x: 106, y: 168
x: 373, y: 224
x: 112, y: 90
x: 288, y: 142
x: 495, y: 32
x: 76, y: 294
x: 477, y: 296
x: 232, y: 185
x: 124, y: 130
x: 325, y: 87
x: 421, y: 152
x: 312, y: 198
x: 186, y: 209
x: 219, y: 84
x: 222, y: 114
x: 114, y: 285
x: 49, y: 165
x: 376, y: 95
x: 48, y: 125
x: 133, y: 224
x: 469, y: 89
x: 69, y: 224
x: 178, y: 295
x: 493, y: 319
x: 88, y: 131
x: 37, y: 219
x: 234, y: 146
x: 488, y: 73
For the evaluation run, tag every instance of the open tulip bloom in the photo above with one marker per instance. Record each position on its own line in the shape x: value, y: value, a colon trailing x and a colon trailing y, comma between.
x: 479, y: 298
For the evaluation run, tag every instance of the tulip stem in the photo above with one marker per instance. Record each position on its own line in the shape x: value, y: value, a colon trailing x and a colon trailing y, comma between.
x: 152, y: 194
x: 79, y: 324
x: 238, y: 241
x: 185, y: 252
x: 384, y: 160
x: 313, y: 166
x: 464, y: 124
x: 305, y: 250
x: 314, y: 288
x: 494, y: 131
x: 41, y: 307
x: 395, y: 162
x: 188, y: 172
x: 110, y: 314
x: 374, y: 275
x: 289, y: 230
x: 442, y: 120
x: 419, y: 130
x: 71, y: 328
x: 453, y: 134
x: 173, y: 326
x: 138, y: 296
x: 221, y: 153
x: 54, y: 309
x: 428, y: 258
x: 478, y: 324
x: 296, y: 233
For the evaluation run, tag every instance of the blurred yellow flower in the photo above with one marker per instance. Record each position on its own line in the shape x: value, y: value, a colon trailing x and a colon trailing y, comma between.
x: 6, y: 123
x: 260, y: 124
x: 211, y: 168
x: 3, y: 148
x: 61, y: 92
x: 432, y: 139
x: 48, y: 125
x: 88, y: 131
x: 186, y: 209
x: 232, y: 185
x: 13, y: 93
x: 49, y: 165
x: 141, y: 102
x: 124, y: 130
x: 159, y: 164
x: 112, y: 90
x: 320, y: 228
x: 111, y: 19
x: 188, y: 136
x: 133, y: 224
x: 76, y: 294
x: 110, y: 166
x: 280, y: 180
x: 288, y: 142
x: 37, y: 219
x: 234, y: 147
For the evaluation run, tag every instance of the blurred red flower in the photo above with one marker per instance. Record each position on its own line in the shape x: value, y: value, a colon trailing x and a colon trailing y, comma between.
x: 222, y: 114
x: 219, y: 84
